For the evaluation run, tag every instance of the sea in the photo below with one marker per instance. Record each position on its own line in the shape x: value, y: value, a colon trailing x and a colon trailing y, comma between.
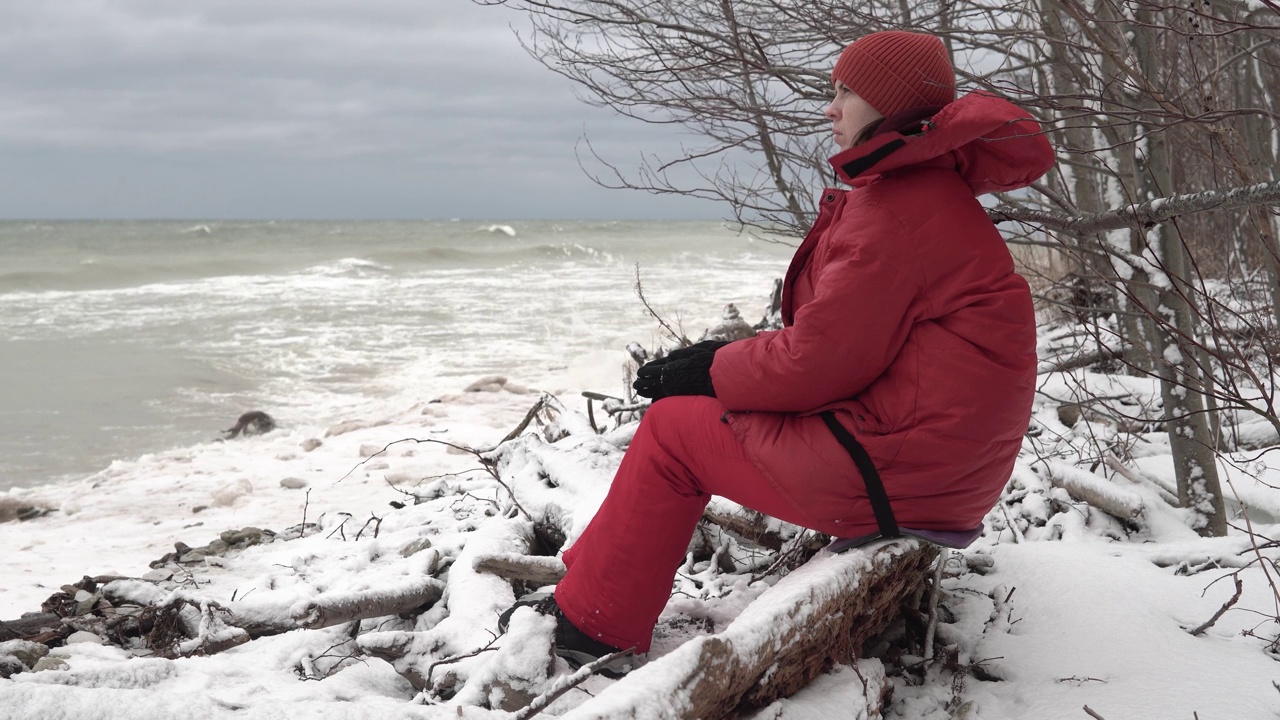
x: 124, y: 338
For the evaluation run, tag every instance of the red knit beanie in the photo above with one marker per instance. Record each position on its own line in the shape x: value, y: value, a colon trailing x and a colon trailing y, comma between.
x: 895, y: 71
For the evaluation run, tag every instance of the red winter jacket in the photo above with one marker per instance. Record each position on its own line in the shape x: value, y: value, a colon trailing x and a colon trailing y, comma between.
x: 903, y: 313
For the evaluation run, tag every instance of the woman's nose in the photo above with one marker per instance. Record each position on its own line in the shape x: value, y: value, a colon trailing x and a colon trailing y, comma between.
x: 830, y: 110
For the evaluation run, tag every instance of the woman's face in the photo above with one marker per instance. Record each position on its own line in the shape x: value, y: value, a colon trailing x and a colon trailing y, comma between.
x: 848, y: 114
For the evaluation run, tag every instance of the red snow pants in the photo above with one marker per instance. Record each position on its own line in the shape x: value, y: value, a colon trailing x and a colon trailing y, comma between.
x: 621, y: 567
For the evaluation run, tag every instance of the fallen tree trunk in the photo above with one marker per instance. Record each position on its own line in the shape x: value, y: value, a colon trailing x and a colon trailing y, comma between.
x: 821, y: 614
x: 751, y: 526
x: 35, y: 627
x: 331, y: 609
x: 176, y: 626
x: 1086, y: 487
x: 534, y: 569
x: 1075, y: 361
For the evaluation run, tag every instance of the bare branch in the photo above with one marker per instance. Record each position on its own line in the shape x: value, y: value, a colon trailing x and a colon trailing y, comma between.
x: 1147, y: 214
x: 1199, y: 629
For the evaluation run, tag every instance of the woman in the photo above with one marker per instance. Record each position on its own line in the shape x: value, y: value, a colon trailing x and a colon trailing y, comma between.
x: 908, y: 339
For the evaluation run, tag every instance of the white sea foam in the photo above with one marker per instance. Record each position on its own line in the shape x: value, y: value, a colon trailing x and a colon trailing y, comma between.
x: 348, y: 266
x: 504, y: 229
x: 174, y: 357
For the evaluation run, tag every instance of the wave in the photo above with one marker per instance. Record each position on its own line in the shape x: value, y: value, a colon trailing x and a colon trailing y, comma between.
x: 453, y: 258
x: 200, y: 229
x: 504, y: 229
x: 127, y: 277
x: 357, y: 267
x: 572, y: 251
x: 24, y: 279
x: 112, y: 274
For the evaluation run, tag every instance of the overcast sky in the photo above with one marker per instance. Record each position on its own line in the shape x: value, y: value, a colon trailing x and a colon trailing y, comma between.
x: 298, y: 109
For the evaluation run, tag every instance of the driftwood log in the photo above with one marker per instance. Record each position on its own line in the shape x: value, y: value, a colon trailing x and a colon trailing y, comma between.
x: 184, y: 626
x: 331, y: 609
x: 44, y: 628
x: 1084, y: 486
x: 748, y: 525
x: 1075, y: 361
x: 821, y: 614
x: 533, y: 569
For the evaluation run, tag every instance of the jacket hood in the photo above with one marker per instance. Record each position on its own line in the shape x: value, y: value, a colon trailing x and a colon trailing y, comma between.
x: 993, y: 144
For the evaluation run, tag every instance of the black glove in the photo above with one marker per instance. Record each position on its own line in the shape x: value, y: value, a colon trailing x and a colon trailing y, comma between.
x: 685, y: 374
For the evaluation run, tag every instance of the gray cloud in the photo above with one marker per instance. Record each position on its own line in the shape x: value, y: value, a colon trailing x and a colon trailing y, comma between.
x: 297, y: 108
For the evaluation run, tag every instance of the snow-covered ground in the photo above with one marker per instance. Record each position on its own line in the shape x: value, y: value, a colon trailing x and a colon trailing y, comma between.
x: 1058, y: 607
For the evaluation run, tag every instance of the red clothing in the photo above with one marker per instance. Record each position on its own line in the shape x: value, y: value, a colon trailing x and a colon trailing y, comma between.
x: 903, y: 313
x: 620, y: 568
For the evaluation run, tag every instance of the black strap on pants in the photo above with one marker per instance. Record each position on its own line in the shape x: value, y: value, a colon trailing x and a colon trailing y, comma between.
x: 875, y: 488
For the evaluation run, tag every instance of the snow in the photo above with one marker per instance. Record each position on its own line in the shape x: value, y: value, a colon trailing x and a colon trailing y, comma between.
x: 1118, y: 240
x: 1058, y: 606
x: 1084, y: 484
x: 840, y: 694
x: 1099, y: 628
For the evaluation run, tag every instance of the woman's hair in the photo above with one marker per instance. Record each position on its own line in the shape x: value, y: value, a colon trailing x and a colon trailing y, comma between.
x: 908, y: 122
x: 868, y: 131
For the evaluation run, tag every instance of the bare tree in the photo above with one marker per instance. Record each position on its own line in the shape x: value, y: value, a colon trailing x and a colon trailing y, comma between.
x: 749, y: 77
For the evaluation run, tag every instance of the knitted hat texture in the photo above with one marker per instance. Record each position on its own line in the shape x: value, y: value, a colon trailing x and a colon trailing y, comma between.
x: 895, y: 71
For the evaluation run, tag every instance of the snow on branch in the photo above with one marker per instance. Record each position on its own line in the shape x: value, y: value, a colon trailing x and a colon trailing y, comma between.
x: 1147, y: 214
x: 1086, y: 487
x: 820, y: 614
x: 335, y: 608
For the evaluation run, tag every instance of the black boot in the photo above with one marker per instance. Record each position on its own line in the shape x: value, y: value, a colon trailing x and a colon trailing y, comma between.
x: 572, y: 644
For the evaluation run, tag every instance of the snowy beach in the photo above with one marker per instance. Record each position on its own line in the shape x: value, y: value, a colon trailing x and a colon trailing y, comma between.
x: 130, y: 346
x: 1051, y: 625
x: 1059, y: 606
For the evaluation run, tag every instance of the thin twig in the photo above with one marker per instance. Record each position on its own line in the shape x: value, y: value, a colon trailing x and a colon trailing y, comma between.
x: 387, y: 447
x: 1253, y: 541
x: 1093, y: 714
x: 591, y: 417
x: 350, y: 633
x: 306, y: 504
x: 479, y: 455
x: 528, y: 418
x: 785, y: 555
x: 376, y: 527
x: 339, y: 528
x: 1009, y: 522
x: 567, y: 683
x: 674, y: 334
x: 487, y: 648
x: 1222, y: 610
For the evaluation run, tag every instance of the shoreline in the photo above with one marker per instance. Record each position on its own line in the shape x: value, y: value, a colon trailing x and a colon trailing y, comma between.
x: 120, y: 519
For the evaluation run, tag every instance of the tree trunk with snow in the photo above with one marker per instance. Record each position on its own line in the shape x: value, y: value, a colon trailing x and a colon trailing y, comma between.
x: 1181, y: 386
x: 825, y: 612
